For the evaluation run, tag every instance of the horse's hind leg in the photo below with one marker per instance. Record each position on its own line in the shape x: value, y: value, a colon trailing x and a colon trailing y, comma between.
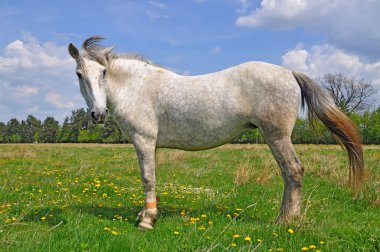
x: 292, y: 173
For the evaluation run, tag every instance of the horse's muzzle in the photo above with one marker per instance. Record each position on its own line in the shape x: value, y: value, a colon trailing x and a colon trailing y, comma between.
x: 99, y: 117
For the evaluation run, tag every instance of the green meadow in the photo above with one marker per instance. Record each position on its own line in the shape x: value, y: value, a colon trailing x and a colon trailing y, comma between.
x: 85, y: 197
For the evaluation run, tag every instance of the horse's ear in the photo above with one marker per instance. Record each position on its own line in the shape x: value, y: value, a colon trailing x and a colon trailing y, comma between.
x: 74, y: 52
x: 106, y: 51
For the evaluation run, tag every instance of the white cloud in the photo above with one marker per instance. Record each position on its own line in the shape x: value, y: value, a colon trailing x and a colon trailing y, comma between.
x: 30, y: 72
x: 324, y: 59
x: 57, y: 101
x: 351, y: 25
x: 154, y: 15
x: 24, y: 91
x: 157, y: 4
x: 216, y: 50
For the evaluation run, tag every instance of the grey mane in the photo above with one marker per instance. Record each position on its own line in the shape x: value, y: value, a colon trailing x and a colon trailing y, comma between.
x: 93, y: 51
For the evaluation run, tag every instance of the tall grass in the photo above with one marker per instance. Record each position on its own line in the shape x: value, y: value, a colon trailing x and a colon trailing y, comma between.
x: 86, y: 197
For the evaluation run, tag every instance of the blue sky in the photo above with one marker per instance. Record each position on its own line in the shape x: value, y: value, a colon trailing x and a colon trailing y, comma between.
x: 189, y: 37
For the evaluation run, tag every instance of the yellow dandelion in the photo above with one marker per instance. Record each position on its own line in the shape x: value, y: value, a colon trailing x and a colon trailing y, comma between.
x: 176, y: 232
x: 280, y: 249
x: 247, y: 238
x: 43, y: 218
x: 321, y: 242
x: 312, y: 246
x: 114, y: 232
x: 233, y: 244
x: 304, y: 248
x: 210, y: 222
x: 229, y: 215
x: 106, y: 229
x: 203, y: 216
x: 259, y: 240
x: 236, y: 236
x: 290, y: 231
x: 201, y: 228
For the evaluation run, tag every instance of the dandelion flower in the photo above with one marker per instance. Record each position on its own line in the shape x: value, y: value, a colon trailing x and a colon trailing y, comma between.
x: 201, y: 228
x: 321, y: 242
x: 247, y: 238
x: 233, y: 244
x: 106, y: 229
x: 290, y: 231
x: 43, y: 218
x: 304, y: 248
x: 176, y: 232
x: 114, y: 232
x: 203, y: 216
x: 312, y: 246
x: 236, y: 236
x: 259, y: 240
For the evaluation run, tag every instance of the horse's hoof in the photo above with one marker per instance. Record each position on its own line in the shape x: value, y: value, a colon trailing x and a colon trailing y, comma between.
x: 145, y: 225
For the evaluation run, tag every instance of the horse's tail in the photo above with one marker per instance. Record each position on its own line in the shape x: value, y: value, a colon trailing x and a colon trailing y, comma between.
x: 321, y: 105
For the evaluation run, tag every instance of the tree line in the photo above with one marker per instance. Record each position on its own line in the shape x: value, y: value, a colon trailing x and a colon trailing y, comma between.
x: 76, y: 128
x: 353, y: 96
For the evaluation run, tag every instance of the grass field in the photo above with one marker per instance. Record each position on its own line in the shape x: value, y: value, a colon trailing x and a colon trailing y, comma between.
x: 86, y: 197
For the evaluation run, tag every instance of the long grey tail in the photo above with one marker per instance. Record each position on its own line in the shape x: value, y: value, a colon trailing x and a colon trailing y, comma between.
x: 321, y: 105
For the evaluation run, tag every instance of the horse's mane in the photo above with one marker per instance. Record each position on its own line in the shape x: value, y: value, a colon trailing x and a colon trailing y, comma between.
x: 93, y: 51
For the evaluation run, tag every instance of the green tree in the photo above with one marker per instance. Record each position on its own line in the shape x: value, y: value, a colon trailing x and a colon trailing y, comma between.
x: 79, y: 120
x: 111, y: 132
x: 13, y: 131
x: 50, y: 130
x: 2, y: 131
x: 33, y: 127
x: 64, y: 132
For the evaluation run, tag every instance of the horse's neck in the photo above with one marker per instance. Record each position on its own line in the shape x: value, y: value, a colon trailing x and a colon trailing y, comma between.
x: 125, y: 77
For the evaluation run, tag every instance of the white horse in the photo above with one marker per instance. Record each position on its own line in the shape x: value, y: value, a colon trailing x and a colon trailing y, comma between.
x: 157, y: 108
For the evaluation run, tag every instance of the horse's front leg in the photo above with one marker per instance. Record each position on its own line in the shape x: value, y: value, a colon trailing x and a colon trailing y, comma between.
x: 146, y: 153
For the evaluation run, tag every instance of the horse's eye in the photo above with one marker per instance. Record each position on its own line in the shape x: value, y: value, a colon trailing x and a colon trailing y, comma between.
x: 79, y: 75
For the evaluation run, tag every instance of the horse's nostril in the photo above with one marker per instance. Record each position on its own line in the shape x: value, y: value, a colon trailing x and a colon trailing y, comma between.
x: 107, y: 112
x: 93, y: 116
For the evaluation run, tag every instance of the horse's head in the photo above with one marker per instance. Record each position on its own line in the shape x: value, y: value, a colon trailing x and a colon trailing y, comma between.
x: 92, y: 74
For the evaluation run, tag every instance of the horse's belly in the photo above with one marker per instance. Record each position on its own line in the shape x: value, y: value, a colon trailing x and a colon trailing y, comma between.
x: 199, y: 136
